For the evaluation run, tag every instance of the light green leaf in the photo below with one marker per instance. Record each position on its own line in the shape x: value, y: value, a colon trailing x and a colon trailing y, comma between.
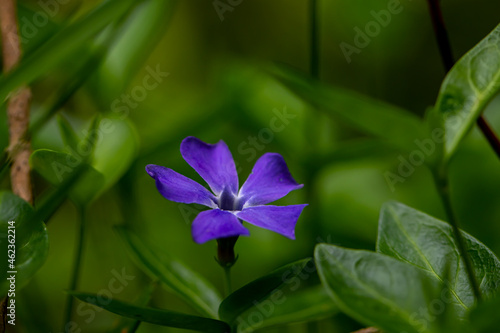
x: 155, y: 316
x: 427, y: 243
x: 31, y: 241
x: 466, y: 91
x: 376, y: 289
x: 190, y: 286
x: 69, y: 137
x: 258, y: 290
x: 380, y: 119
x: 280, y: 309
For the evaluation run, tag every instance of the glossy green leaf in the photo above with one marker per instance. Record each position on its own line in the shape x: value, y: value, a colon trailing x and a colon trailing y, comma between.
x: 31, y: 241
x: 383, y: 120
x: 186, y: 283
x: 427, y: 243
x: 63, y: 45
x: 155, y: 316
x: 258, y: 290
x: 466, y: 91
x: 55, y: 167
x: 280, y: 309
x: 376, y: 289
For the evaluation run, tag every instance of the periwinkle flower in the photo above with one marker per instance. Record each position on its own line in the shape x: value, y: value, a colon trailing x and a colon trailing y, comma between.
x: 270, y: 180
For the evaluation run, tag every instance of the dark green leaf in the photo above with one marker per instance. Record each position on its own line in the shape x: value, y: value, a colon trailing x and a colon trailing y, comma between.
x: 245, y: 298
x: 398, y: 126
x: 484, y: 318
x: 31, y: 241
x: 427, y: 243
x: 280, y: 309
x: 178, y: 277
x: 376, y: 289
x: 155, y: 316
x: 466, y: 91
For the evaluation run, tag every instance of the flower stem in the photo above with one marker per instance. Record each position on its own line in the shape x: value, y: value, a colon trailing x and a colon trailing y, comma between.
x: 80, y: 239
x: 442, y: 185
x: 448, y: 62
x: 227, y: 280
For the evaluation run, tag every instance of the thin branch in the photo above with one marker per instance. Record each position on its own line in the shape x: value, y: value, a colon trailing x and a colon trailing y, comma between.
x: 448, y: 62
x: 18, y: 117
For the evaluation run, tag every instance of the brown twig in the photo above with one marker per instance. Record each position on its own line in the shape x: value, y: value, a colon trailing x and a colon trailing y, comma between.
x: 368, y: 330
x: 18, y: 116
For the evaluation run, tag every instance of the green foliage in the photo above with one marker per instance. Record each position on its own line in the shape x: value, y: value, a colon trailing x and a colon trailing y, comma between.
x: 31, y: 242
x: 466, y: 91
x: 427, y: 243
x: 171, y: 272
x: 155, y: 316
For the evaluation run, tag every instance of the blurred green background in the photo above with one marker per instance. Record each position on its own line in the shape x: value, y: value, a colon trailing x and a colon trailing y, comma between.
x: 218, y: 87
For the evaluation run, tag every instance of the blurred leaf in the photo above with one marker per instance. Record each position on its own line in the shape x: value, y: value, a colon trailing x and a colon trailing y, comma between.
x: 116, y: 145
x: 56, y: 167
x: 376, y: 289
x: 155, y: 316
x: 466, y: 91
x: 398, y: 126
x: 127, y: 325
x: 427, y: 243
x: 484, y: 317
x: 68, y: 135
x: 245, y: 298
x: 62, y: 45
x: 31, y: 241
x: 142, y: 31
x: 282, y: 309
x: 179, y: 278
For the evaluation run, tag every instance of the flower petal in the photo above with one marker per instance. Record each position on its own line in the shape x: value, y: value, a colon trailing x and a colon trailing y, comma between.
x: 280, y: 219
x: 216, y: 223
x: 176, y: 187
x: 270, y: 180
x: 214, y: 163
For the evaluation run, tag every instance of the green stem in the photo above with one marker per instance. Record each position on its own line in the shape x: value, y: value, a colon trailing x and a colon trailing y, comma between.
x: 227, y: 280
x: 442, y: 185
x: 80, y: 239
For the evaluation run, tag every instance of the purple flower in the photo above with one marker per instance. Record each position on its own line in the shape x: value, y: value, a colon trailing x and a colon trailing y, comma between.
x: 270, y: 180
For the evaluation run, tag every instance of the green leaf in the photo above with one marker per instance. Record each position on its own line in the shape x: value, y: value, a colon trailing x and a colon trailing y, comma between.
x: 191, y: 287
x: 258, y: 290
x: 466, y: 91
x: 116, y: 146
x: 69, y: 137
x: 380, y: 119
x: 155, y: 316
x: 31, y: 241
x: 427, y: 243
x: 62, y: 45
x: 280, y: 309
x: 376, y: 289
x: 142, y: 31
x: 56, y: 167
